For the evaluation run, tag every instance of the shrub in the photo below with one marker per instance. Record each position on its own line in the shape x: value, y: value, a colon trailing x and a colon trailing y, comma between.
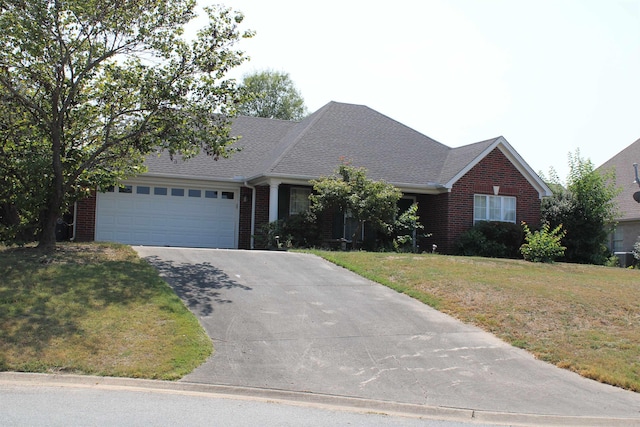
x: 407, y: 227
x: 542, y: 245
x: 297, y: 231
x: 491, y: 239
x: 636, y: 251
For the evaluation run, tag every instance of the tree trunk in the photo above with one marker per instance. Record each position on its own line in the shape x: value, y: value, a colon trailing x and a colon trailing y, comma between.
x: 52, y: 211
x: 48, y: 221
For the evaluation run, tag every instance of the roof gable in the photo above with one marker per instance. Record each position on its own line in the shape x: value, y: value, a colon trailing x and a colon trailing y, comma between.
x: 464, y: 158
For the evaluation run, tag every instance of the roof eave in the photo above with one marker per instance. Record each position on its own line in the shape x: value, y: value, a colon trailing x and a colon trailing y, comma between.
x: 263, y: 179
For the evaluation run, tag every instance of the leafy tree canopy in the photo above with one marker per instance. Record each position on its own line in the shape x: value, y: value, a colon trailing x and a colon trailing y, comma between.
x: 586, y: 209
x: 350, y: 191
x: 272, y: 95
x: 88, y: 88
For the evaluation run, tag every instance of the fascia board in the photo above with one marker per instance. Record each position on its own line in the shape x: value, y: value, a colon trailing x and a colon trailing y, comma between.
x: 156, y: 177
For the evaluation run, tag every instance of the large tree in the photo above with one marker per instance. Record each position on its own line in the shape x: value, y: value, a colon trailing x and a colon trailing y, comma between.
x: 272, y: 95
x: 586, y: 209
x: 352, y: 193
x: 88, y: 88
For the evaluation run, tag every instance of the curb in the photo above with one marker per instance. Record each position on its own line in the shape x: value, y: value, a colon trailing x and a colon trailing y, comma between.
x: 323, y: 401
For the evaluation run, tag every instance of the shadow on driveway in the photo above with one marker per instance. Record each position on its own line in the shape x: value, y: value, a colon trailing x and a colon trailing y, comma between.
x: 200, y: 286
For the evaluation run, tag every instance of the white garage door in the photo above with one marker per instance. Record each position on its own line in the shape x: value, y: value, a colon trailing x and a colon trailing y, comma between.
x: 142, y: 214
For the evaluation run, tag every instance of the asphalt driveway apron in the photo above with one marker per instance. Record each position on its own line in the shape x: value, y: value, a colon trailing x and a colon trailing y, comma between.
x: 292, y: 321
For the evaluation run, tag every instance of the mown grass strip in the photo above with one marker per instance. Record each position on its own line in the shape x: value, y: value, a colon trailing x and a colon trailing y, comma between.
x: 94, y: 309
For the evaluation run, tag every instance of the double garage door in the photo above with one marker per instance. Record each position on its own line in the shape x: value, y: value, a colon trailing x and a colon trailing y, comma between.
x: 165, y: 215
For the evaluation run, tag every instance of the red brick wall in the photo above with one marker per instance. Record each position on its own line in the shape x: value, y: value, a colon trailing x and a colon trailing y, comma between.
x: 434, y: 216
x: 262, y: 206
x: 495, y: 169
x: 86, y: 219
x: 244, y: 226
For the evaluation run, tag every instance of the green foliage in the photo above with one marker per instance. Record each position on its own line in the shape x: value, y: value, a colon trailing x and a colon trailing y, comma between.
x: 297, y: 231
x: 350, y: 191
x: 492, y: 239
x: 272, y: 95
x: 89, y: 88
x: 586, y: 209
x: 406, y: 228
x: 636, y: 251
x: 542, y: 245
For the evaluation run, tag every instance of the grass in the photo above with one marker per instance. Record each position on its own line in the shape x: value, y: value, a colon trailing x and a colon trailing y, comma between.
x: 93, y: 309
x: 579, y: 317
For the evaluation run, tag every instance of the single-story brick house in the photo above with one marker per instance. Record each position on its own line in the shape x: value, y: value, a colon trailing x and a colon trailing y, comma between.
x: 220, y: 204
x: 628, y: 229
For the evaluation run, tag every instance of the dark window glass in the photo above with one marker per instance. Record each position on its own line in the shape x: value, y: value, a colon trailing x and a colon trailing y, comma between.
x: 195, y: 193
x: 210, y: 194
x: 227, y: 195
x: 160, y: 191
x: 140, y: 189
x: 126, y: 189
x: 177, y: 192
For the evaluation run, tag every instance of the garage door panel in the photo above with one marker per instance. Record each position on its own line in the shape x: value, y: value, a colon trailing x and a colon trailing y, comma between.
x: 155, y: 219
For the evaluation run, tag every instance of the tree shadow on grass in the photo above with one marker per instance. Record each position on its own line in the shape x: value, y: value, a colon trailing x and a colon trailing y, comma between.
x: 44, y: 302
x: 200, y: 286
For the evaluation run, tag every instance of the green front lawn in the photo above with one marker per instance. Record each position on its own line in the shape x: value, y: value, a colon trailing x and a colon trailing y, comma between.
x: 580, y: 317
x: 94, y: 309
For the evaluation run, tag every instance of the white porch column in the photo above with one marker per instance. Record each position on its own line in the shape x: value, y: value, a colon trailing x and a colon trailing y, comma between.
x: 273, y: 200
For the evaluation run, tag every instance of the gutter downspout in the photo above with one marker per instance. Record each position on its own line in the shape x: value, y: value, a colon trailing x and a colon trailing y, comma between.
x: 253, y: 212
x: 75, y: 221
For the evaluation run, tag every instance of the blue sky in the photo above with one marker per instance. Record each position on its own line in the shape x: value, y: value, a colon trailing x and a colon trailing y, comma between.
x: 551, y: 76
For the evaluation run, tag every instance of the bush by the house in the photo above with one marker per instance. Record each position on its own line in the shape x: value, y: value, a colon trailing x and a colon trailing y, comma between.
x: 491, y: 239
x: 297, y: 231
x: 542, y: 245
x: 636, y: 252
x: 407, y: 227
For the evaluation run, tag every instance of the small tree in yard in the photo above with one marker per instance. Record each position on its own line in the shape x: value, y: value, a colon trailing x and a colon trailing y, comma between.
x: 89, y: 88
x: 352, y: 193
x: 542, y: 245
x: 406, y: 228
x: 586, y: 209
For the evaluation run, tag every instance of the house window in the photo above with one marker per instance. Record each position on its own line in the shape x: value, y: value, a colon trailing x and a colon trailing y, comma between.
x: 195, y: 193
x: 494, y: 208
x: 617, y: 240
x: 227, y: 195
x: 299, y: 200
x: 126, y: 189
x: 211, y: 194
x: 179, y: 192
x: 140, y: 189
x: 160, y: 191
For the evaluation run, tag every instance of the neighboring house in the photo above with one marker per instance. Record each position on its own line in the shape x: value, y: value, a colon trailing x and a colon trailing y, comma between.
x: 628, y: 229
x: 220, y: 204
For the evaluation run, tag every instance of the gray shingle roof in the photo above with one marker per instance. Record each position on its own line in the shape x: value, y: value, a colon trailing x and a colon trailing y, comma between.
x: 622, y: 163
x: 458, y: 158
x: 314, y: 147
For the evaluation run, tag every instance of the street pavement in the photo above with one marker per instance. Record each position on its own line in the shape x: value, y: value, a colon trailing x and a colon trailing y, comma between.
x: 50, y: 400
x: 293, y: 323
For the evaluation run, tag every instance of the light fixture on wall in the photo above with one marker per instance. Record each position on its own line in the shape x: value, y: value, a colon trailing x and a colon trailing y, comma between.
x: 496, y: 190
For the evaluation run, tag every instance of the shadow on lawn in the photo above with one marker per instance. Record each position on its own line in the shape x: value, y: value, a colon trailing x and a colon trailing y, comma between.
x: 40, y: 302
x: 198, y: 285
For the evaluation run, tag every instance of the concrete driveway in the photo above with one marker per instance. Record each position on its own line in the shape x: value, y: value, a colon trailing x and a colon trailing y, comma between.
x: 292, y: 321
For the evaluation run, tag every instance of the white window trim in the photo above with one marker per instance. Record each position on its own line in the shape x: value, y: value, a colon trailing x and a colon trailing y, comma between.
x: 487, y: 212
